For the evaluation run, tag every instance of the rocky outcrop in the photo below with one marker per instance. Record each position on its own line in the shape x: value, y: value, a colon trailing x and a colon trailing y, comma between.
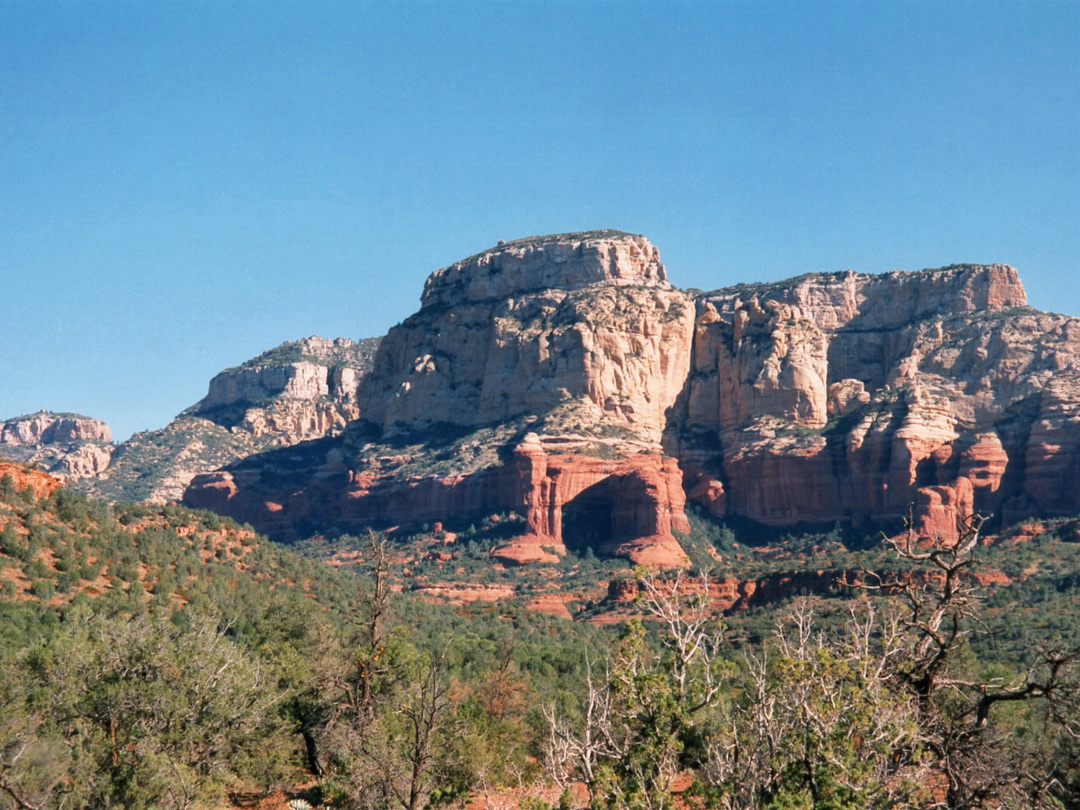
x: 857, y: 301
x: 297, y: 391
x: 845, y: 396
x: 460, y: 594
x: 579, y: 341
x: 626, y: 507
x: 86, y: 461
x: 580, y: 330
x: 52, y: 428
x: 23, y: 477
x: 300, y: 390
x: 564, y: 379
x: 571, y: 261
x: 68, y: 445
x: 629, y: 507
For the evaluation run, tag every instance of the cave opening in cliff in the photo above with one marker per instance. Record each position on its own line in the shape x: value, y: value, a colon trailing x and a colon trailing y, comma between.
x: 587, y: 518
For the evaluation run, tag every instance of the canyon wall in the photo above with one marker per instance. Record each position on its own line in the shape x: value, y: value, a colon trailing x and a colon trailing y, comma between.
x: 581, y: 331
x: 577, y: 342
x: 845, y: 396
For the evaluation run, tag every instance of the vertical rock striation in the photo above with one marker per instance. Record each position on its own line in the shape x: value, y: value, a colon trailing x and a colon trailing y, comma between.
x: 564, y: 379
x: 67, y: 445
x: 846, y: 396
x: 298, y: 391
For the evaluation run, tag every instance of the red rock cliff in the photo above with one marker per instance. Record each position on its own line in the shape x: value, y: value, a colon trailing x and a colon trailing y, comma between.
x: 565, y: 379
x: 842, y: 396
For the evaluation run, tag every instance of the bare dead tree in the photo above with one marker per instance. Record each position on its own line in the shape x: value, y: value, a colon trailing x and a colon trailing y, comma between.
x: 941, y: 607
x: 357, y: 685
x: 692, y: 633
x: 627, y: 746
x: 13, y: 751
x: 577, y: 753
x: 817, y: 721
x: 424, y: 709
x: 376, y: 601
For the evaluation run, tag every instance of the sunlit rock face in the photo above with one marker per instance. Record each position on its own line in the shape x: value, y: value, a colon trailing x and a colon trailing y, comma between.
x: 564, y: 379
x: 846, y: 396
x: 298, y: 391
x: 70, y: 446
x: 584, y: 324
x: 563, y: 262
x: 578, y: 340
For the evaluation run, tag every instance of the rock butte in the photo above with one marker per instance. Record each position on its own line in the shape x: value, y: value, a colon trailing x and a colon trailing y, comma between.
x: 68, y: 445
x: 607, y: 398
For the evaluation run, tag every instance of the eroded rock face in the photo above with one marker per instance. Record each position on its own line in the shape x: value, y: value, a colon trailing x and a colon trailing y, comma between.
x: 26, y: 478
x: 69, y: 446
x: 628, y: 507
x: 52, y: 428
x: 562, y: 262
x: 579, y: 335
x: 299, y: 391
x: 583, y: 331
x: 844, y: 396
x: 564, y: 379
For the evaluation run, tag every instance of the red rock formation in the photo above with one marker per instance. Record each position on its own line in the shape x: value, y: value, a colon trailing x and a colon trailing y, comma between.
x: 22, y: 477
x: 553, y: 604
x: 1052, y: 453
x: 837, y: 396
x: 939, y: 510
x: 628, y: 507
x: 69, y: 446
x: 529, y: 548
x: 825, y: 398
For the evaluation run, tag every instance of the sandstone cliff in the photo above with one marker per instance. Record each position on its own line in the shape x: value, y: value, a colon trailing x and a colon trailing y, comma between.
x: 67, y: 445
x: 537, y: 376
x: 564, y: 379
x: 840, y: 397
x: 298, y: 391
x: 581, y: 331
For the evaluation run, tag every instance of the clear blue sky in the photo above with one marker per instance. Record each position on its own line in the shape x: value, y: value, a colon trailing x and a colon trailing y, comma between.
x: 186, y: 184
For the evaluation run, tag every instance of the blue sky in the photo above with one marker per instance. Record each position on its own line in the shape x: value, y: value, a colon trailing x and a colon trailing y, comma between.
x: 186, y: 184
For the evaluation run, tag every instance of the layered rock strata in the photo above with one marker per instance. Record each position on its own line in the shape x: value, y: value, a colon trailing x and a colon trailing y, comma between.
x: 69, y: 446
x: 583, y: 331
x: 564, y: 379
x: 578, y: 338
x: 845, y: 396
x: 298, y: 391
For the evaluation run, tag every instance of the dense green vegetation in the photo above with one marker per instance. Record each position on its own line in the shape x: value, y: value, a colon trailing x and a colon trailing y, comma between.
x: 163, y: 657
